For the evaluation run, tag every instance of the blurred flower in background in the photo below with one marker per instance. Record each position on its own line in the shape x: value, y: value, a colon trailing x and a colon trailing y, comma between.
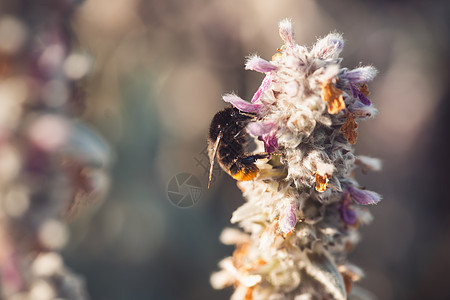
x: 51, y: 164
x: 149, y: 76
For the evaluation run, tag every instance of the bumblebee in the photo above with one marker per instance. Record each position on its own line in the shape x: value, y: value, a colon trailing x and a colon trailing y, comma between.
x: 227, y: 140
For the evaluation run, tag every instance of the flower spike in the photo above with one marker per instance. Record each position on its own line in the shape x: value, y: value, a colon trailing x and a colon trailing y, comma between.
x: 302, y: 211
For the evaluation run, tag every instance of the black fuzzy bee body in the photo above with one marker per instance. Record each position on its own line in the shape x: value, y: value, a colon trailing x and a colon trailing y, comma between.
x: 227, y: 140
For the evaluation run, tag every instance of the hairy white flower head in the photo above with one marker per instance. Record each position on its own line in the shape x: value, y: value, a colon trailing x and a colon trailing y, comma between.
x: 301, y: 213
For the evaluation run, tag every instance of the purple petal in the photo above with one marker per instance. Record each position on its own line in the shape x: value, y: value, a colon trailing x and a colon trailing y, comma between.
x: 358, y: 94
x: 270, y: 141
x: 347, y: 214
x: 258, y: 64
x: 338, y: 42
x: 361, y: 75
x: 286, y: 32
x: 260, y: 128
x: 288, y: 219
x: 264, y: 87
x: 243, y: 105
x: 266, y: 132
x: 363, y: 197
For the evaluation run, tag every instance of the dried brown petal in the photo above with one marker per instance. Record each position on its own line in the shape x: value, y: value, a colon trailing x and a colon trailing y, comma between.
x: 350, y: 274
x: 333, y: 96
x: 321, y: 181
x: 349, y: 129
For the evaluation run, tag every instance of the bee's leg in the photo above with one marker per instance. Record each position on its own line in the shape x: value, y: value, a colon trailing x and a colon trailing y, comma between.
x: 251, y: 158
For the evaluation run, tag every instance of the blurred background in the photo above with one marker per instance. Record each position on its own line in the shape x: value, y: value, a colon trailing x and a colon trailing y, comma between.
x: 159, y: 68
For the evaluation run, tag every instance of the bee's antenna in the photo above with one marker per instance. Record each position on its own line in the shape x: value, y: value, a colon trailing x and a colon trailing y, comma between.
x: 212, y: 156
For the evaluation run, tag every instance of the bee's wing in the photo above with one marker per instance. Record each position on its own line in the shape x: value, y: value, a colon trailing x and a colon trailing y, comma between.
x: 212, y: 156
